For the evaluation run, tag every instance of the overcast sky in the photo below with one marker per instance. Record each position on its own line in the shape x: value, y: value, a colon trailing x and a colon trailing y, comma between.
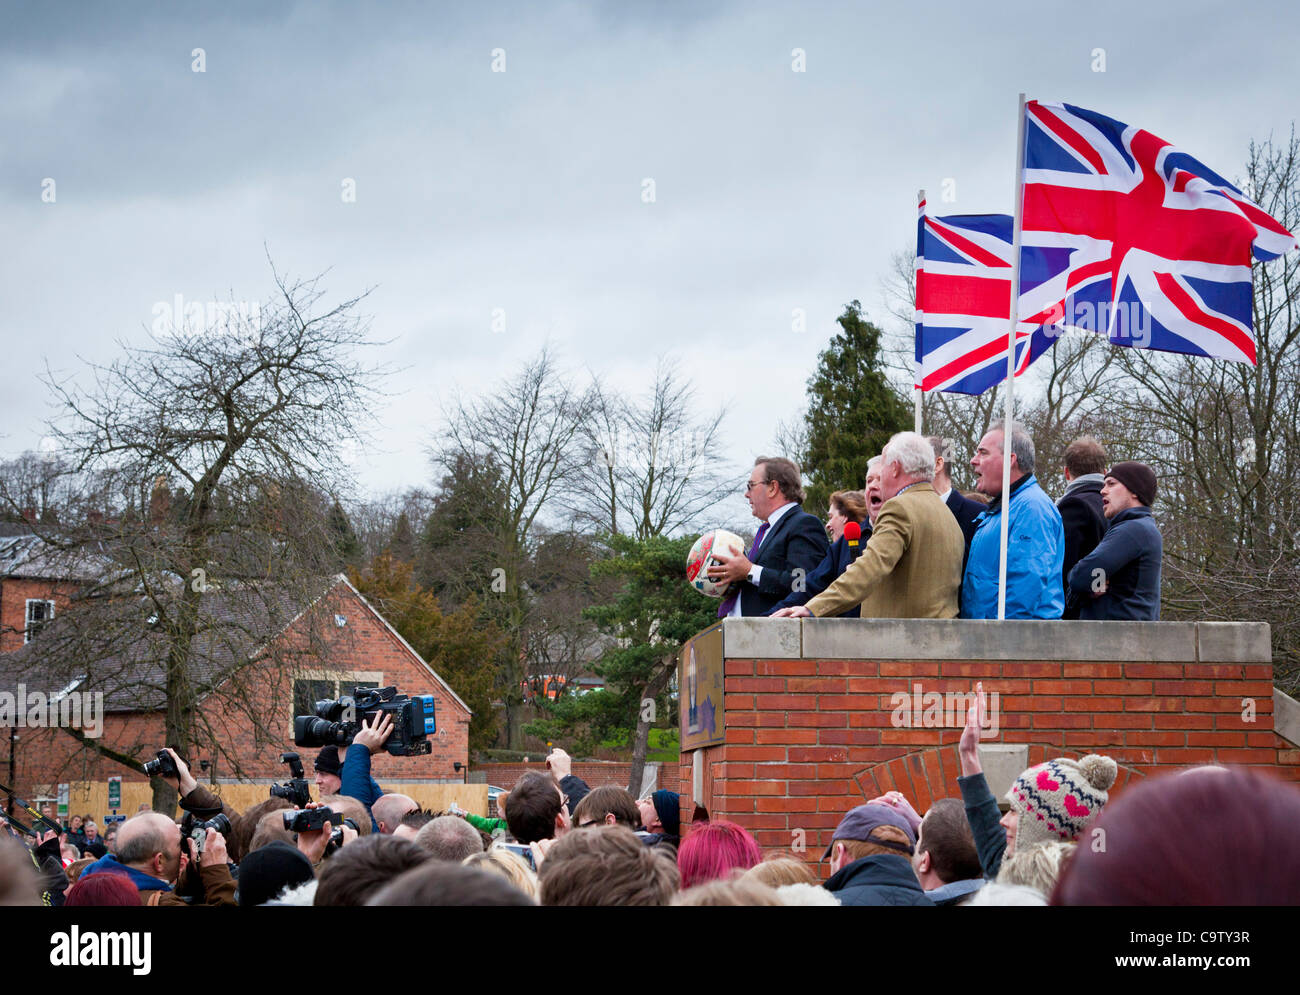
x: 524, y: 190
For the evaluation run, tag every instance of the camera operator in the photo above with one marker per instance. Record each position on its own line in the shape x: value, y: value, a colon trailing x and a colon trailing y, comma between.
x: 198, y: 800
x: 356, y: 780
x: 312, y: 843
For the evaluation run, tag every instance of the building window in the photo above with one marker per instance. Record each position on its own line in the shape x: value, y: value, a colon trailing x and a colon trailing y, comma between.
x: 38, y: 614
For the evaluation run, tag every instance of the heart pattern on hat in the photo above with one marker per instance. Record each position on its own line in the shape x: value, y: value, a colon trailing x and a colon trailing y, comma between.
x: 1073, y: 806
x: 1046, y: 783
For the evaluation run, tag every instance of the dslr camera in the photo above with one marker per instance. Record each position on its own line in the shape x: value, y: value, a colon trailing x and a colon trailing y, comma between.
x: 197, y: 829
x: 335, y: 723
x: 298, y: 789
x: 162, y: 766
x: 303, y: 820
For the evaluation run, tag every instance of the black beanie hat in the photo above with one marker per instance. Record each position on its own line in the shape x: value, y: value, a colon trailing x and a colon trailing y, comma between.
x: 327, y: 761
x: 270, y: 869
x: 668, y: 806
x: 1138, y: 478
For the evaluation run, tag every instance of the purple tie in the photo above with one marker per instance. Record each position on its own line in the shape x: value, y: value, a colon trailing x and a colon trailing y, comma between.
x: 725, y: 608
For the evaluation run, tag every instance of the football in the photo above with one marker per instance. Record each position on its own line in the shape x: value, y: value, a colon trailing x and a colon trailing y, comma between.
x: 701, y: 558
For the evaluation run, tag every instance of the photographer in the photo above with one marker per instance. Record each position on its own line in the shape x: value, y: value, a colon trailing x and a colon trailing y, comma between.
x: 356, y: 780
x: 197, y: 799
x: 153, y: 856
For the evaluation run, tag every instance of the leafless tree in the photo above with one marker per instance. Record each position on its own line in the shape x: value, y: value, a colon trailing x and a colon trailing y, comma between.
x: 219, y: 444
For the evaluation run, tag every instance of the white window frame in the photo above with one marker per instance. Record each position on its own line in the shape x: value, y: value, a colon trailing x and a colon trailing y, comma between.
x: 27, y: 616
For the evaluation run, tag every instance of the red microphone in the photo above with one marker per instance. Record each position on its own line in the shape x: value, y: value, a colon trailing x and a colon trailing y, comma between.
x: 852, y: 532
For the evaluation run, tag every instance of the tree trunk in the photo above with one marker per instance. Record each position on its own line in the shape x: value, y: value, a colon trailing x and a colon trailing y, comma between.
x: 645, y: 717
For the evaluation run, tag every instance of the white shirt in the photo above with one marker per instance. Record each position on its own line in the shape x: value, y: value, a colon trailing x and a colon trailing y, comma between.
x: 755, y: 572
x: 944, y: 496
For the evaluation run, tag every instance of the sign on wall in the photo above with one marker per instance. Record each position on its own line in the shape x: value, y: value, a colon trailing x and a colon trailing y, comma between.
x: 115, y: 793
x: 699, y: 682
x: 64, y: 791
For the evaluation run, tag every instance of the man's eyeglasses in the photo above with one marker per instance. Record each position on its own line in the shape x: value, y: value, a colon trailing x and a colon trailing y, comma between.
x: 755, y: 483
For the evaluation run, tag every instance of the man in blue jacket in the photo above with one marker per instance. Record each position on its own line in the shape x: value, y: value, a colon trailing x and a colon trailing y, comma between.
x: 1120, y: 579
x: 356, y: 781
x: 871, y: 859
x: 1035, y: 538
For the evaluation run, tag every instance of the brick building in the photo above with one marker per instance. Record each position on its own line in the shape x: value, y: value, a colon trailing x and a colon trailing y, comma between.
x: 336, y: 642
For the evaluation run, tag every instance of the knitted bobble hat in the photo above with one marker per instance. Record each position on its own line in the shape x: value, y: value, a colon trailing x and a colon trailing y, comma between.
x: 1059, y: 799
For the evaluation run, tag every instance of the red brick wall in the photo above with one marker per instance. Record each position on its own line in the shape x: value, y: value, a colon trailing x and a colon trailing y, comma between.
x: 595, y: 773
x: 14, y: 592
x: 50, y: 756
x: 806, y: 739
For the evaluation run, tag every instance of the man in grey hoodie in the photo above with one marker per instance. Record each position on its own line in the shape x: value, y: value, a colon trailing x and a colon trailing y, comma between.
x: 1081, y: 510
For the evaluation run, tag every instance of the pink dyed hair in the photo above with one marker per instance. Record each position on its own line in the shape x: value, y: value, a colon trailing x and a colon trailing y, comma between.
x: 712, y: 850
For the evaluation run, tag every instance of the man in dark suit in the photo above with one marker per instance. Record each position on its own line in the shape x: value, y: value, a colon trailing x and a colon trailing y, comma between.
x: 787, y: 547
x: 1081, y: 508
x: 963, y: 508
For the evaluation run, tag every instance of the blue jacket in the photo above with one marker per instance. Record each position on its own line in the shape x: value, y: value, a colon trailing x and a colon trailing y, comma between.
x: 1035, y: 553
x: 357, y: 782
x: 141, y: 880
x: 881, y: 879
x: 1128, y: 557
x: 825, y: 574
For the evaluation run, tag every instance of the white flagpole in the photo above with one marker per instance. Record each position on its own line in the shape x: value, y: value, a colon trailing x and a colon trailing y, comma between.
x: 1008, y: 421
x: 916, y: 390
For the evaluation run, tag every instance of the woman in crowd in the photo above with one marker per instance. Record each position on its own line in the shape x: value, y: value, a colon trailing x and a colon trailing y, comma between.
x: 845, y: 507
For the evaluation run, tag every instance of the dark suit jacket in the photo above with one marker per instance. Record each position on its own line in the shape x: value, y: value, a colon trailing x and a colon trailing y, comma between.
x: 1085, y: 524
x: 797, y: 541
x: 834, y: 564
x: 966, y: 512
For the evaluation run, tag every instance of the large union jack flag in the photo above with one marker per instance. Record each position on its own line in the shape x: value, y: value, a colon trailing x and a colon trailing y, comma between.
x: 963, y: 301
x: 1150, y: 247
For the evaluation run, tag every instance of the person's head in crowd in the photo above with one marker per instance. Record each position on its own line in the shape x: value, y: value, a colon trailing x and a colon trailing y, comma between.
x: 907, y: 459
x: 1127, y: 485
x: 1209, y: 839
x: 604, y: 866
x: 869, y: 831
x: 997, y: 894
x: 110, y: 839
x: 608, y: 805
x: 773, y: 483
x: 449, y: 838
x: 389, y: 810
x: 91, y: 830
x: 537, y: 810
x: 107, y: 888
x: 511, y: 866
x: 251, y: 819
x: 720, y: 892
x: 845, y: 507
x: 151, y: 843
x: 987, y: 462
x: 349, y: 808
x: 1057, y: 801
x: 411, y: 824
x: 75, y: 823
x: 1036, y: 867
x: 74, y: 869
x: 945, y: 848
x: 70, y: 854
x: 19, y: 883
x: 329, y: 771
x: 776, y: 872
x: 365, y: 865
x: 1083, y: 456
x: 266, y: 872
x: 871, y: 492
x: 713, y: 850
x: 441, y: 883
x: 942, y: 462
x: 661, y: 812
x: 270, y: 829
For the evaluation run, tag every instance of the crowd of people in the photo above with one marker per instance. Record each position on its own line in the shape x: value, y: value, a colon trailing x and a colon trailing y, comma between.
x: 927, y: 550
x: 1201, y: 836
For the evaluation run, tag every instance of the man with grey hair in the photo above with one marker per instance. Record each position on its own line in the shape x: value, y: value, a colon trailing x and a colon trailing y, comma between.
x: 450, y: 838
x: 1035, y: 536
x: 911, y: 567
x: 871, y: 492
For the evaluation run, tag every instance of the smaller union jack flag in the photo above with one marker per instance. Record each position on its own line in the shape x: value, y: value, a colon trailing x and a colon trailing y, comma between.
x: 1148, y: 246
x: 963, y: 302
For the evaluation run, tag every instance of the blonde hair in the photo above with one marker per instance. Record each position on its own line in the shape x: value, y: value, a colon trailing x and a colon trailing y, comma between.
x: 737, y: 892
x: 780, y: 870
x: 509, y: 865
x: 1036, y: 867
